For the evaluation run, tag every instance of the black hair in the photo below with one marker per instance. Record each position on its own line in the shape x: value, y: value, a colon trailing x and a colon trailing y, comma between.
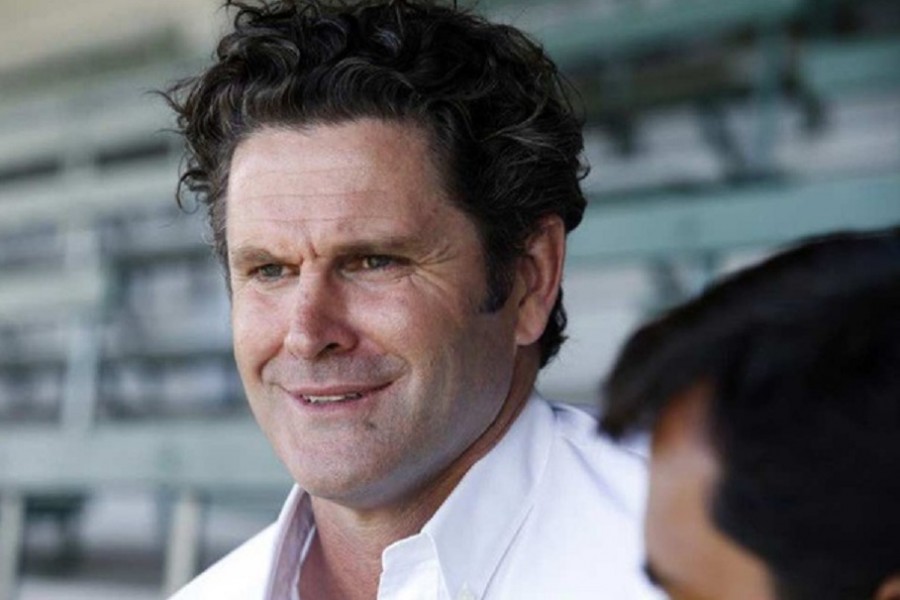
x: 496, y: 110
x: 803, y: 356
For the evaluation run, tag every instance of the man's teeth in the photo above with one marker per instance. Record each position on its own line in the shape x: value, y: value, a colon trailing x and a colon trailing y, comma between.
x: 335, y: 398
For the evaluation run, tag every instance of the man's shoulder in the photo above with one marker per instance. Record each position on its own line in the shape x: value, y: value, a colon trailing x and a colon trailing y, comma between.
x: 584, y: 519
x: 579, y: 426
x: 582, y: 455
x: 243, y: 573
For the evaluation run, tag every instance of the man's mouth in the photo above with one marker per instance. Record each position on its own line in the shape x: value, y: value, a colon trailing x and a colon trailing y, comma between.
x: 323, y: 399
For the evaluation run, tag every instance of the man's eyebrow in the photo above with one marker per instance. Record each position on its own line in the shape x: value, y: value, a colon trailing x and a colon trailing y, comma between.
x: 254, y: 255
x: 247, y: 255
x: 384, y: 245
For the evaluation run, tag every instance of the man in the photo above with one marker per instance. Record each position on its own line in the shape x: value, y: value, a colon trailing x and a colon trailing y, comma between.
x: 774, y: 404
x: 389, y: 187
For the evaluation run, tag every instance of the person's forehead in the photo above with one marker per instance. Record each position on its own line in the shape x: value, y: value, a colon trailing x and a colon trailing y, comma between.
x: 683, y: 465
x: 368, y: 183
x: 683, y: 423
x: 684, y: 545
x: 368, y: 162
x: 682, y: 469
x: 387, y: 147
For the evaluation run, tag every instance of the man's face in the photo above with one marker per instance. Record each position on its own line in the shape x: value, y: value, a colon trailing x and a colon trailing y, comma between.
x: 357, y: 289
x: 686, y: 554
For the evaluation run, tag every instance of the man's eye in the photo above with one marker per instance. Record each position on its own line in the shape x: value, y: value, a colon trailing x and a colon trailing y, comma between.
x: 374, y: 265
x: 270, y: 271
x: 375, y: 262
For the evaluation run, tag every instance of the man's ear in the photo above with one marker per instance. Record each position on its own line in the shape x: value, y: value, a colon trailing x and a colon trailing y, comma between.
x: 539, y: 273
x: 889, y: 589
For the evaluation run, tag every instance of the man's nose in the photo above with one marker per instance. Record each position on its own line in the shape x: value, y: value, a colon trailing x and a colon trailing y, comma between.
x: 319, y: 319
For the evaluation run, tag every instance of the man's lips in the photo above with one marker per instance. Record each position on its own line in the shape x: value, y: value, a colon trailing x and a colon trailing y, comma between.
x: 323, y: 398
x: 334, y: 394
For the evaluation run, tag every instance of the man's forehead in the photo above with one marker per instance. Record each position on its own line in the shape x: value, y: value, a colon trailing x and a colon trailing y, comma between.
x: 366, y: 233
x: 363, y: 169
x: 393, y: 147
x: 367, y: 210
x: 254, y: 175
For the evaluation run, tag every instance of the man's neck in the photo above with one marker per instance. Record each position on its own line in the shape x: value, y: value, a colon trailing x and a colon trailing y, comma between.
x: 344, y: 560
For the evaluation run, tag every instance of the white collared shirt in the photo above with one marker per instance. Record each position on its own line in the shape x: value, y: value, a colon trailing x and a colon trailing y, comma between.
x: 552, y: 511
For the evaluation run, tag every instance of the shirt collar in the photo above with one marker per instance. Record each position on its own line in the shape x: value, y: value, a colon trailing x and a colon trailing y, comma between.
x: 472, y: 530
x: 295, y: 533
x: 511, y: 471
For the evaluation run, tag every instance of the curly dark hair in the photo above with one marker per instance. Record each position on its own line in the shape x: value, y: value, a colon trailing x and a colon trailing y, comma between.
x: 803, y: 354
x: 495, y: 108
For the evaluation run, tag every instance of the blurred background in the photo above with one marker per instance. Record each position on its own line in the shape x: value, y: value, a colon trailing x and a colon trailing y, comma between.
x: 716, y: 130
